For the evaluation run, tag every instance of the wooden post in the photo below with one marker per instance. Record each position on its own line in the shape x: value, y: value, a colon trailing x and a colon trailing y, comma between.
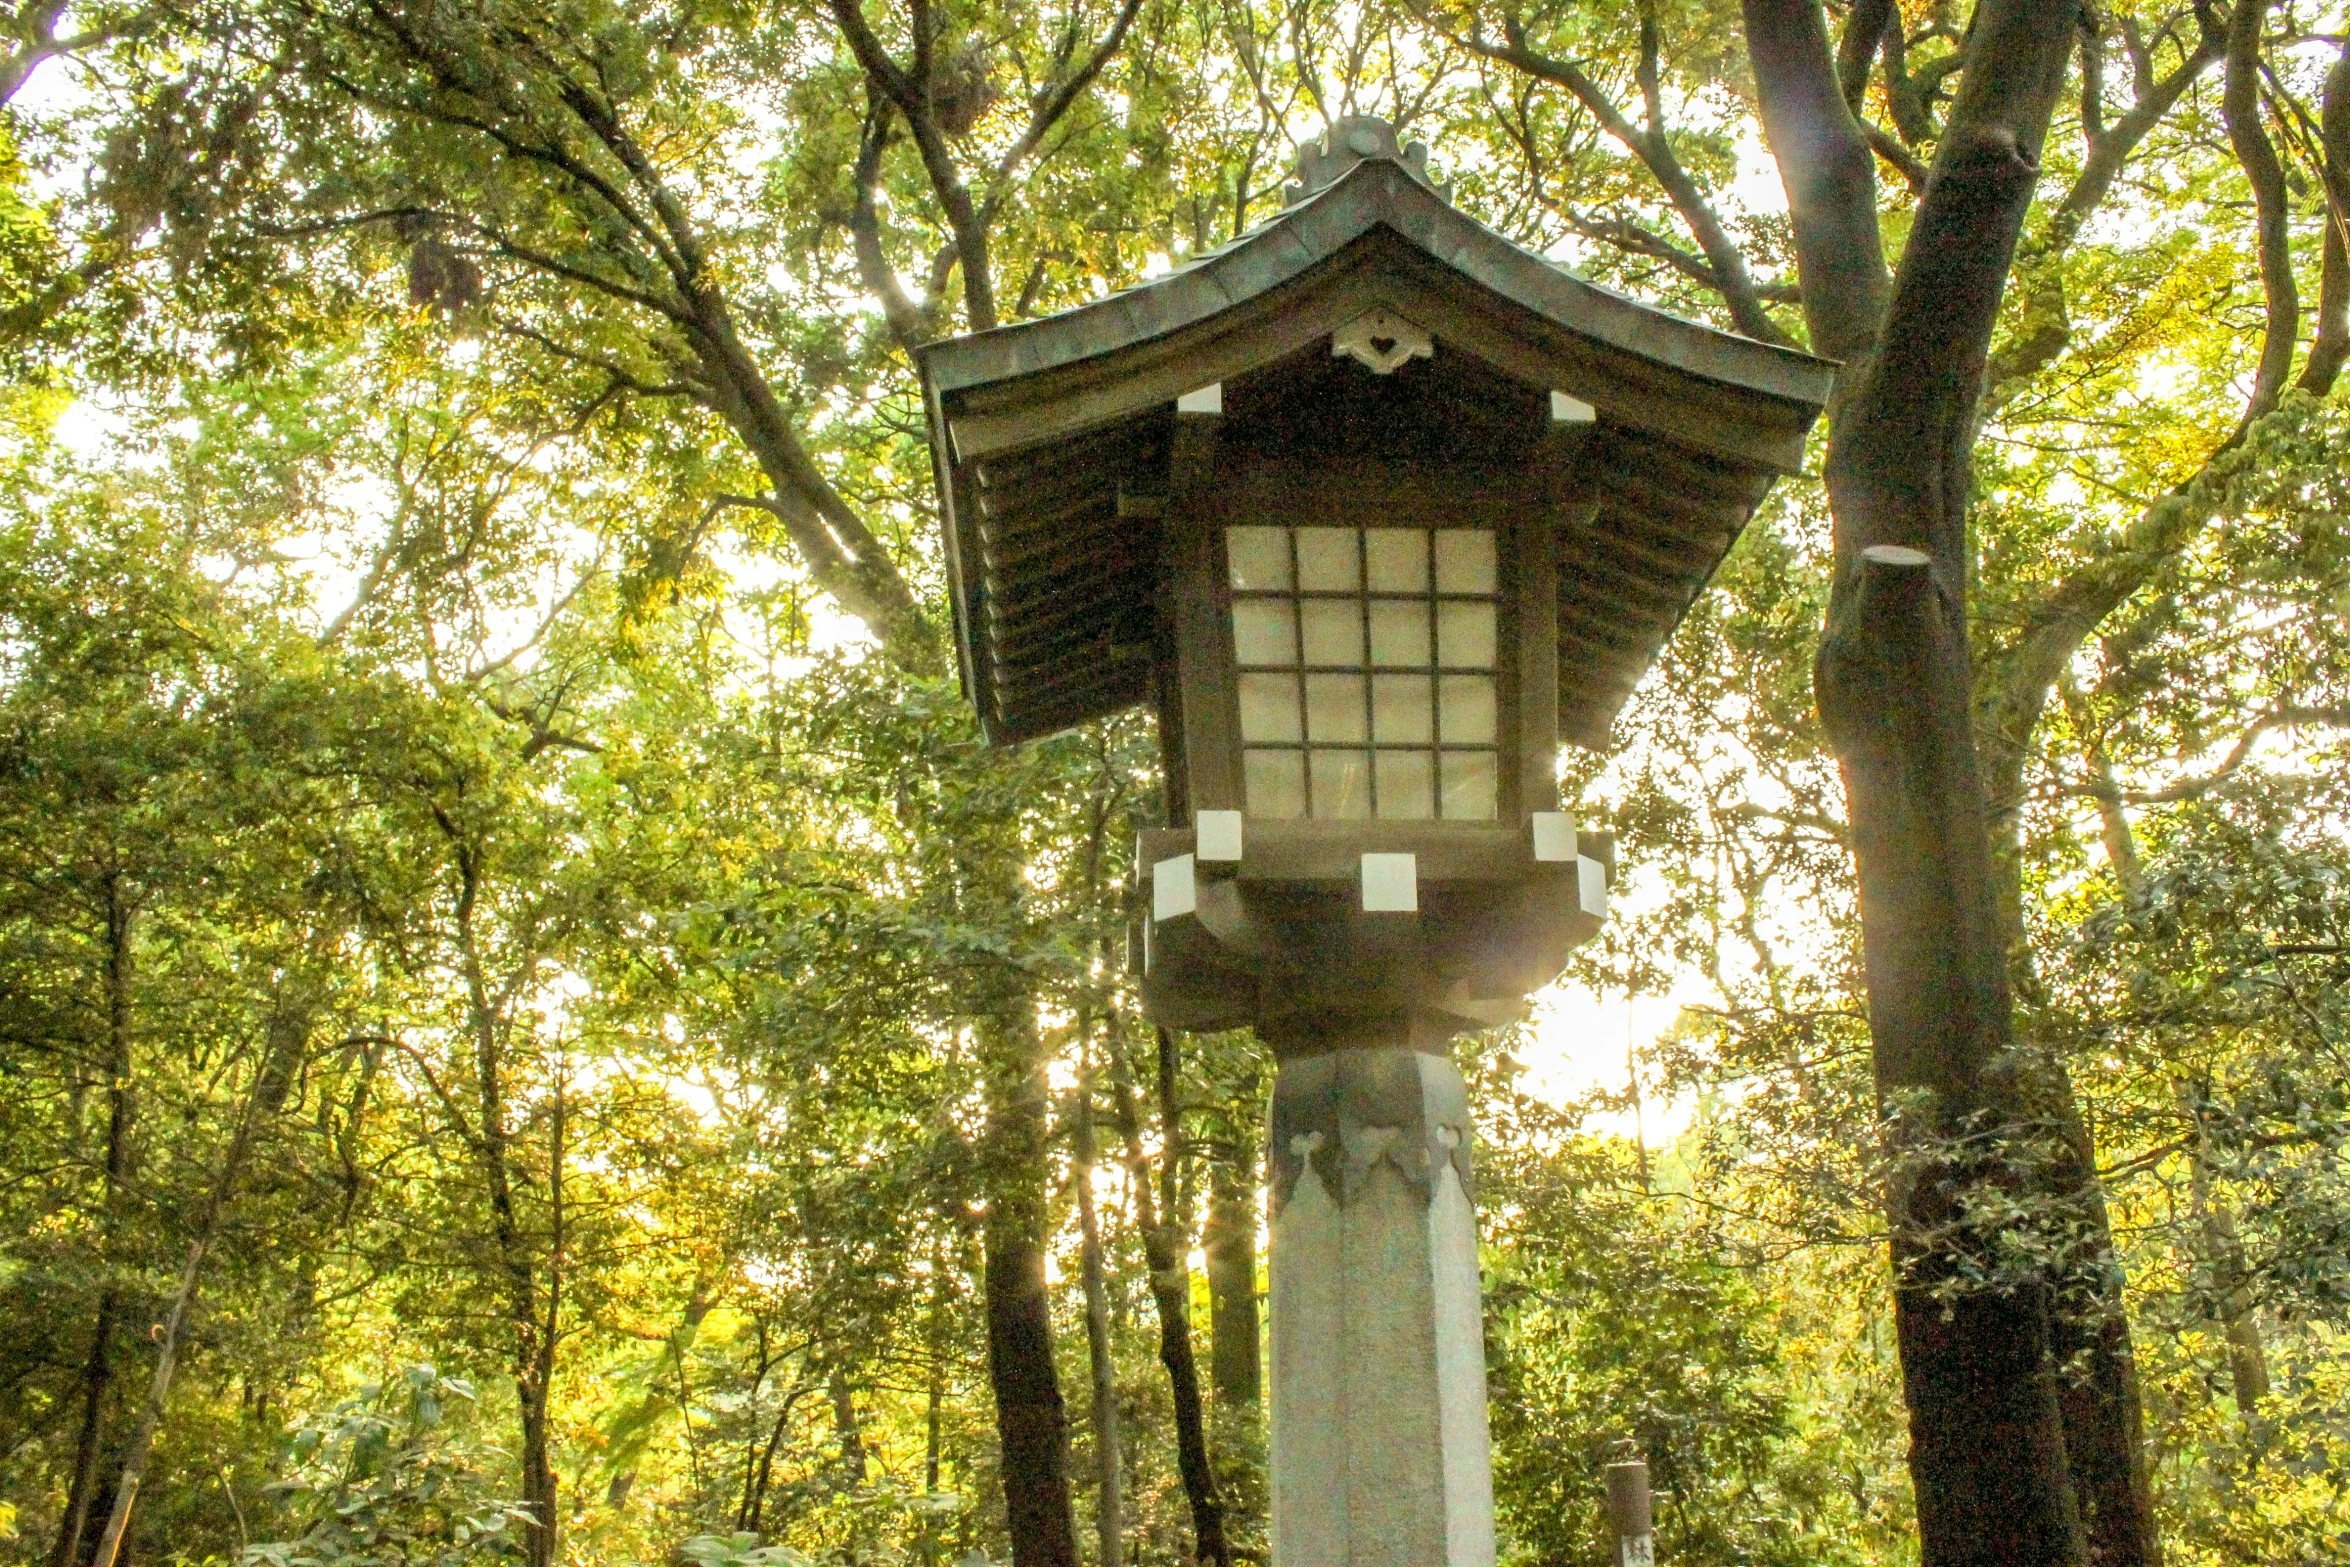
x: 1629, y: 1513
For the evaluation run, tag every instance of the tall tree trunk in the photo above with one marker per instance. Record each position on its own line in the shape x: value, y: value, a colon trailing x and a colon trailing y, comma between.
x: 1163, y: 1251
x: 847, y: 1430
x: 2089, y: 1335
x: 121, y: 1114
x: 934, y: 1401
x: 1231, y: 1246
x: 534, y: 1347
x: 1895, y: 682
x: 97, y: 1375
x: 2104, y: 1422
x: 142, y: 1443
x: 2247, y: 1355
x: 1031, y: 1420
x: 1109, y: 1504
x: 273, y: 1074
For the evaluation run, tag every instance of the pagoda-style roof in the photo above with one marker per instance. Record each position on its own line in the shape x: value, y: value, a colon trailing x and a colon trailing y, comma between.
x: 1053, y: 437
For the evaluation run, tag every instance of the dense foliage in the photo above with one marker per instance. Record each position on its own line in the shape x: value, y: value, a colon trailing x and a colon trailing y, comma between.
x: 526, y: 1008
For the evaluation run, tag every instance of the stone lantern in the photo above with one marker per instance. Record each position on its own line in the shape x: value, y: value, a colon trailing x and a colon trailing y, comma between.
x: 1375, y: 509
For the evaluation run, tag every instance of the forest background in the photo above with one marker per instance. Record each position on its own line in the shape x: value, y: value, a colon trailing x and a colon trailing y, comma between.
x: 522, y: 994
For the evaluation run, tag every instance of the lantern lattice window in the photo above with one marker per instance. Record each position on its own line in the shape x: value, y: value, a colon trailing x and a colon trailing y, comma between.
x: 1366, y: 660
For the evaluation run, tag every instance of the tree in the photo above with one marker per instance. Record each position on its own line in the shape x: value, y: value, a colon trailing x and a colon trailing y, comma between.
x: 442, y: 548
x: 1918, y: 344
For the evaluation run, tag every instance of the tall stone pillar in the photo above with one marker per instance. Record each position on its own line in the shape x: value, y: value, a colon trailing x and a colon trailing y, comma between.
x: 1379, y: 1454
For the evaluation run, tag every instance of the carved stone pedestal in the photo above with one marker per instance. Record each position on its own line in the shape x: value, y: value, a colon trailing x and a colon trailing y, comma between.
x: 1379, y: 1435
x: 1356, y: 950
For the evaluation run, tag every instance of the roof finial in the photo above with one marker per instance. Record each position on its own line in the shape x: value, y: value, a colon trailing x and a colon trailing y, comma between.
x: 1353, y: 139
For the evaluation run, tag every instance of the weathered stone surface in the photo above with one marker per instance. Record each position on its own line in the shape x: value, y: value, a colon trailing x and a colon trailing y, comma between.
x: 1380, y: 1452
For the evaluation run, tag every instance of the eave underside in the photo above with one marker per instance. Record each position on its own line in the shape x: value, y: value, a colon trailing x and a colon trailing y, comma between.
x: 1061, y: 545
x: 1661, y: 518
x: 1059, y: 576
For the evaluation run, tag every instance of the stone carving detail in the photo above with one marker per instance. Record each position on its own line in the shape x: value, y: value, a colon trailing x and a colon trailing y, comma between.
x: 1349, y: 141
x: 1382, y: 340
x: 1348, y: 1112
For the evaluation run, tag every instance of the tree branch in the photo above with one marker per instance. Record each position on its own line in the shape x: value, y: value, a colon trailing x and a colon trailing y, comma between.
x: 1903, y: 162
x: 2240, y: 109
x: 2282, y: 716
x: 911, y: 95
x: 906, y: 321
x: 2048, y: 325
x: 1865, y: 32
x: 2330, y: 348
x: 35, y: 31
x: 1651, y: 146
x: 1054, y: 104
x: 1829, y: 173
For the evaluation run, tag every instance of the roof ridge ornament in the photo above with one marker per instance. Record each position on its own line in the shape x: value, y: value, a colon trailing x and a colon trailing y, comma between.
x: 1353, y: 139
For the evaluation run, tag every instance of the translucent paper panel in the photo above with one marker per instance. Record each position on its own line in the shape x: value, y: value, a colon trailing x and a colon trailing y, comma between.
x: 1342, y: 784
x: 1329, y: 560
x: 1396, y: 559
x: 1367, y: 682
x: 1275, y: 781
x: 1464, y: 561
x: 1402, y: 712
x: 1264, y: 631
x: 1268, y: 709
x: 1260, y: 558
x: 1334, y: 709
x: 1467, y: 709
x: 1468, y: 782
x: 1464, y: 636
x: 1334, y: 631
x: 1399, y: 633
x: 1407, y: 785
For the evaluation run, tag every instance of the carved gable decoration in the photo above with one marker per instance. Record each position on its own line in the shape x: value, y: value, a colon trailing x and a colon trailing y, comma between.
x: 1382, y: 341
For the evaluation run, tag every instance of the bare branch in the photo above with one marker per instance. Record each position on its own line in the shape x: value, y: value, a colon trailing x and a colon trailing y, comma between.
x: 2048, y: 324
x: 910, y: 93
x: 2330, y: 348
x: 2282, y: 716
x: 35, y: 32
x: 1899, y: 158
x: 1864, y: 35
x: 1056, y: 103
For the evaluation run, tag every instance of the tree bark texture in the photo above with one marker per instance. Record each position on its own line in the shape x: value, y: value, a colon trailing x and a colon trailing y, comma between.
x: 1031, y: 1420
x: 1988, y: 1454
x: 2089, y: 1336
x: 1829, y: 174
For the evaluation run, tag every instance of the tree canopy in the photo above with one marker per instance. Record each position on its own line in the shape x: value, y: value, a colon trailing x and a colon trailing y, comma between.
x: 532, y: 1026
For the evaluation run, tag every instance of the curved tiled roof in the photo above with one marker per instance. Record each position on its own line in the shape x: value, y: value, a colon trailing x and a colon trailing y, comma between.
x: 1051, y: 438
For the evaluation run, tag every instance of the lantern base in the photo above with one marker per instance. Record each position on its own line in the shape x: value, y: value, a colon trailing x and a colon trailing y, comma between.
x: 1379, y: 1444
x: 1287, y: 934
